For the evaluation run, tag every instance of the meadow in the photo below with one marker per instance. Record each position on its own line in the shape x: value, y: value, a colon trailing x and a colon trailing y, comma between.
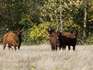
x: 40, y: 57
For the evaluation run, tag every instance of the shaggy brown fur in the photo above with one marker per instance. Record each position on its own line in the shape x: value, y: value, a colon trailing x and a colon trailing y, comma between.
x: 53, y: 38
x: 67, y: 39
x: 62, y: 39
x: 12, y: 39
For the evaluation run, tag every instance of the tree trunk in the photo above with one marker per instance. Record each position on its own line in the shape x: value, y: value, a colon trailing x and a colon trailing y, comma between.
x: 85, y: 19
x: 61, y: 19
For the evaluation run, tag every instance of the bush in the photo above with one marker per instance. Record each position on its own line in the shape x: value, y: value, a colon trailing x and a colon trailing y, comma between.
x: 89, y: 39
x: 71, y: 25
x: 38, y: 33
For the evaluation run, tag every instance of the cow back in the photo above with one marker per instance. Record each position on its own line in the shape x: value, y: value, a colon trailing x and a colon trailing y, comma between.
x: 10, y: 37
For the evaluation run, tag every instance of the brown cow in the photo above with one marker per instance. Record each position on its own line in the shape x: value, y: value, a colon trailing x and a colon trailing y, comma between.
x: 12, y: 39
x: 67, y: 39
x: 53, y: 39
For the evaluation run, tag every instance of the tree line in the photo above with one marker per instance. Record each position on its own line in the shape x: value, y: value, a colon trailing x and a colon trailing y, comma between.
x: 35, y: 16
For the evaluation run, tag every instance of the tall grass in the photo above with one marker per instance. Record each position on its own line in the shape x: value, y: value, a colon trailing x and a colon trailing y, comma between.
x: 42, y: 58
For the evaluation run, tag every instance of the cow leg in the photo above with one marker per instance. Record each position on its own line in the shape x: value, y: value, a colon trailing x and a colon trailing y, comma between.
x: 73, y: 48
x: 18, y: 47
x: 15, y: 47
x: 4, y: 46
x: 20, y: 40
x: 59, y: 47
x: 56, y: 48
x: 53, y: 48
x: 69, y: 47
x: 64, y: 47
x: 9, y: 47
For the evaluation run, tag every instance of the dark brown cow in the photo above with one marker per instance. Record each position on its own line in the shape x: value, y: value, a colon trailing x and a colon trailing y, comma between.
x: 67, y: 39
x: 12, y: 39
x: 19, y: 34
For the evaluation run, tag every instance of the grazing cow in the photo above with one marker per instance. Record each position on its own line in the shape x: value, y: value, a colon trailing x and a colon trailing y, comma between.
x: 53, y: 38
x: 12, y: 39
x: 67, y: 39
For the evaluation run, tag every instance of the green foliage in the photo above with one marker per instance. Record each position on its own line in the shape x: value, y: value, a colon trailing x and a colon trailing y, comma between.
x: 36, y: 15
x: 25, y: 23
x: 12, y: 12
x: 71, y: 25
x: 38, y: 33
x: 89, y: 39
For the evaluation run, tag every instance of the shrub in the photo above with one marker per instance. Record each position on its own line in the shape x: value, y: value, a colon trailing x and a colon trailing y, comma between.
x: 38, y: 33
x: 89, y: 39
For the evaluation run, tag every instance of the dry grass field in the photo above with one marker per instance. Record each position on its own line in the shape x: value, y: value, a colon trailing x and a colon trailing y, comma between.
x: 40, y: 57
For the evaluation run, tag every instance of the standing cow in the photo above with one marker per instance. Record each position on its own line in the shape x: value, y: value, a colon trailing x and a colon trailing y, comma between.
x: 67, y: 39
x: 53, y: 38
x: 12, y: 39
x: 19, y: 36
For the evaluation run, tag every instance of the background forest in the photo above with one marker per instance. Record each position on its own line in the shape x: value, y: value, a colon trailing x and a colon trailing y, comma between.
x: 35, y: 16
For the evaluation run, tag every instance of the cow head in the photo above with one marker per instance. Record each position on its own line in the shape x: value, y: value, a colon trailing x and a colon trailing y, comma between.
x: 50, y: 30
x: 75, y: 33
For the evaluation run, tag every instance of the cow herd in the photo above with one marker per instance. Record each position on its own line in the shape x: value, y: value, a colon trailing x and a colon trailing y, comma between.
x: 58, y: 40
